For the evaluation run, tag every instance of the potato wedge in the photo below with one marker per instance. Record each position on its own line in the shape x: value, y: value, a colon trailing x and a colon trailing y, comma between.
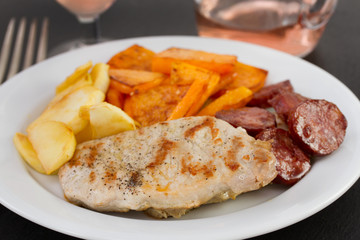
x: 235, y: 98
x: 66, y: 110
x: 106, y: 119
x: 135, y: 57
x: 222, y: 64
x: 86, y: 80
x: 27, y: 152
x: 100, y: 76
x: 54, y: 143
x: 84, y: 135
x: 78, y: 74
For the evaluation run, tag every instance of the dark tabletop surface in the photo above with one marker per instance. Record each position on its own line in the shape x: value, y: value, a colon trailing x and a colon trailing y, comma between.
x: 338, y: 53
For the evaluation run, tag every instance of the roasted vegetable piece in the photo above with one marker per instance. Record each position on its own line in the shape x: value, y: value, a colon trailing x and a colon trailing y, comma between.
x: 154, y: 105
x: 77, y: 75
x: 54, y: 143
x: 134, y: 57
x: 186, y: 74
x: 106, y: 119
x: 244, y: 75
x: 192, y: 96
x: 66, y: 109
x: 27, y: 152
x: 115, y: 98
x: 210, y: 88
x: 100, y: 76
x: 235, y: 98
x: 123, y: 88
x: 222, y: 64
x: 135, y: 80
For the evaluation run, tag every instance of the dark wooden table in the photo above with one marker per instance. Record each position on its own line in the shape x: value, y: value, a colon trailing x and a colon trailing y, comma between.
x: 338, y: 53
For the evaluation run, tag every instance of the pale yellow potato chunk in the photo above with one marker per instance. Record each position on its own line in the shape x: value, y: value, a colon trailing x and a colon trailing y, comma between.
x: 27, y: 152
x: 54, y: 143
x: 66, y: 109
x: 100, y: 76
x: 78, y: 74
x: 85, y: 80
x: 106, y: 119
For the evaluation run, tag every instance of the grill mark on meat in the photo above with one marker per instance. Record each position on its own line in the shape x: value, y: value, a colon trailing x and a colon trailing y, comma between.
x: 208, y: 122
x: 218, y: 141
x: 261, y: 156
x: 135, y: 180
x: 93, y: 152
x: 109, y: 177
x: 165, y: 147
x: 75, y: 162
x: 195, y: 168
x: 230, y: 159
x: 92, y: 176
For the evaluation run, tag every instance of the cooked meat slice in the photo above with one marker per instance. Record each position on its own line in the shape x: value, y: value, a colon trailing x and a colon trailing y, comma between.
x: 260, y: 98
x: 167, y: 168
x: 318, y: 126
x: 292, y: 163
x: 285, y: 101
x: 252, y: 119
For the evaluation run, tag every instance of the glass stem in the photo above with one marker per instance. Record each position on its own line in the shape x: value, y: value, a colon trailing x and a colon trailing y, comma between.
x: 97, y: 30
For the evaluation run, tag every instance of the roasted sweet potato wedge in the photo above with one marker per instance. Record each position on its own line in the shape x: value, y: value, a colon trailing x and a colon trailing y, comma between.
x: 235, y: 98
x: 193, y: 95
x: 244, y: 76
x: 222, y: 64
x: 130, y: 81
x: 134, y: 57
x: 115, y: 97
x: 154, y: 105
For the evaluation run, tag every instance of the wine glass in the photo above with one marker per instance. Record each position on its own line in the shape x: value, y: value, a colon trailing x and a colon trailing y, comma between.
x: 87, y: 12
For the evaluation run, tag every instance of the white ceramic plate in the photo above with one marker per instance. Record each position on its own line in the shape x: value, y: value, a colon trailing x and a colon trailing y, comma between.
x: 40, y: 199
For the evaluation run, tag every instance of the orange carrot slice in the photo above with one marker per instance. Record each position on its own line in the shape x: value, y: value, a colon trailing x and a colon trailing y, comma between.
x: 236, y: 98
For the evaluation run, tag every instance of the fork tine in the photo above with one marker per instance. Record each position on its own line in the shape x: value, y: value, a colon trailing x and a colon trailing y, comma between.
x: 5, y: 49
x: 42, y: 49
x: 15, y: 61
x: 30, y: 47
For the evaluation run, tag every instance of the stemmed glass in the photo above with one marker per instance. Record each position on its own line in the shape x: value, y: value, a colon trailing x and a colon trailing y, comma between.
x: 87, y: 12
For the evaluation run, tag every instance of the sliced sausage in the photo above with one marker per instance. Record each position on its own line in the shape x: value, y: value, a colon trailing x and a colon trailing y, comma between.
x: 292, y: 163
x: 260, y: 98
x: 252, y: 119
x: 285, y: 101
x: 318, y: 126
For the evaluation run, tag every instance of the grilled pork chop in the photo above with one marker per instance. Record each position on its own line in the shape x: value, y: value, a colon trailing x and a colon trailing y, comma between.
x: 167, y: 168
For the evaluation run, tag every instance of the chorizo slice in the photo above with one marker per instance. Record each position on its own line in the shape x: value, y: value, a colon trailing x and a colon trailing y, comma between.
x: 260, y: 98
x: 284, y: 102
x: 252, y: 119
x: 292, y: 163
x: 318, y: 126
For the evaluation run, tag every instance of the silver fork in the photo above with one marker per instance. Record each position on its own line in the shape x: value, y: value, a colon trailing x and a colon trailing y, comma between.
x: 13, y: 66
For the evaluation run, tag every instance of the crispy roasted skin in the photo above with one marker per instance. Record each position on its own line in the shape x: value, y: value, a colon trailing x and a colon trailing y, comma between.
x: 167, y: 168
